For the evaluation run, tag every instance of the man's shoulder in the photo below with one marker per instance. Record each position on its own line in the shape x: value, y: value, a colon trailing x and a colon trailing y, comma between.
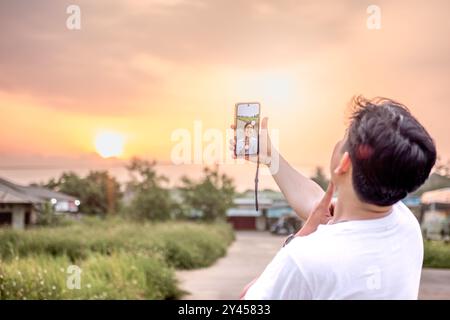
x: 313, y: 248
x: 332, y: 242
x: 405, y: 216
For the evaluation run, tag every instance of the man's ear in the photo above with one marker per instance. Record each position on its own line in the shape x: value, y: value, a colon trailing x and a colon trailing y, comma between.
x: 344, y: 164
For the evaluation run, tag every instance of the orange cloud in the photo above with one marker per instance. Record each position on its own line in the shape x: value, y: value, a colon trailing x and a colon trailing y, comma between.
x: 147, y: 68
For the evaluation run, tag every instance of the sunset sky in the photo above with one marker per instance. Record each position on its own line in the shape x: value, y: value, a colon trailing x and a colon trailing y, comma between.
x: 143, y: 69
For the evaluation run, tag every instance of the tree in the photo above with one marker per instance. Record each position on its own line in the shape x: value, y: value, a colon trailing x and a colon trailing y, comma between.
x: 47, y: 215
x: 103, y: 192
x: 98, y: 192
x: 442, y: 168
x: 320, y: 178
x: 212, y: 195
x: 150, y: 199
x: 434, y: 181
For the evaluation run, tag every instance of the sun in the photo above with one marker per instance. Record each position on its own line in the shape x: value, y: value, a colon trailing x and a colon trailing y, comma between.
x: 109, y: 144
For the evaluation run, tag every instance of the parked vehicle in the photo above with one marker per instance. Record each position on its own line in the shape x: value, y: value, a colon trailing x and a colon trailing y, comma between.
x: 285, y: 225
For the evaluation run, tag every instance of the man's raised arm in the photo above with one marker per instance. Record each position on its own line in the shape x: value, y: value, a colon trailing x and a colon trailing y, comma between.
x: 301, y: 192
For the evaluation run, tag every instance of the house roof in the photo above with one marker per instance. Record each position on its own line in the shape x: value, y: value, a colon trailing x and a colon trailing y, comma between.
x: 251, y: 201
x: 14, y: 193
x: 239, y: 212
x: 48, y: 194
x: 437, y: 196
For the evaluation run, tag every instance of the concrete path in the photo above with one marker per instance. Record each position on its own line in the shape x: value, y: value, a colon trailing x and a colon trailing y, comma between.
x: 435, y: 284
x: 247, y: 257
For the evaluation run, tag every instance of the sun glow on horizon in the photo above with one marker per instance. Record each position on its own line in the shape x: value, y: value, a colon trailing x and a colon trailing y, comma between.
x: 109, y: 144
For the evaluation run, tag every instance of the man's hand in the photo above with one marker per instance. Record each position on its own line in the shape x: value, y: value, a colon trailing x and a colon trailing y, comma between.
x: 265, y: 145
x: 320, y: 215
x: 301, y: 192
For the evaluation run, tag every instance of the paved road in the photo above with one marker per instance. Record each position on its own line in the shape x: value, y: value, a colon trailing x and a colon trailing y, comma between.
x: 248, y: 256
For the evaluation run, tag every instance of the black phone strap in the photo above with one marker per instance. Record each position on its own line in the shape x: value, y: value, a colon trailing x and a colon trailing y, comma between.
x: 256, y: 183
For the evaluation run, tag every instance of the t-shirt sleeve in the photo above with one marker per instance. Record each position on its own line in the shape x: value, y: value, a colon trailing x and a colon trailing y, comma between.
x: 281, y: 280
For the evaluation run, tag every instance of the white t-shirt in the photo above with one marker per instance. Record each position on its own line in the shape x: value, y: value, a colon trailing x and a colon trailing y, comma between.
x: 364, y: 259
x: 253, y: 146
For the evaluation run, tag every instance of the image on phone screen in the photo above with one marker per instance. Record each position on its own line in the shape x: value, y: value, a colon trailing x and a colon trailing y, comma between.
x: 247, y: 129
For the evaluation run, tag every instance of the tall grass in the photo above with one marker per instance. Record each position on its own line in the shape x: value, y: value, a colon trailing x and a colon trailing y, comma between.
x: 184, y: 245
x: 118, y: 259
x: 437, y: 254
x: 119, y: 276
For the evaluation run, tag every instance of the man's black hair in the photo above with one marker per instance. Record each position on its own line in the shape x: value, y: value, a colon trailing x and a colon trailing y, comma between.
x: 248, y: 124
x: 391, y: 152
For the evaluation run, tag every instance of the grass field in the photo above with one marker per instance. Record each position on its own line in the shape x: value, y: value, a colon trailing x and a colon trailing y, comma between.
x: 117, y: 259
x: 437, y: 254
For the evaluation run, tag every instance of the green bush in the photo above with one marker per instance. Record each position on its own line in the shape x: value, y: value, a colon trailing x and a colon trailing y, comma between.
x: 51, y: 241
x: 185, y: 245
x: 119, y: 259
x: 119, y: 276
x: 437, y: 254
x: 202, y: 244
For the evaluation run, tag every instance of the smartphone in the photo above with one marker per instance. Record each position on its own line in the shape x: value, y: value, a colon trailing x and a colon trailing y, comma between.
x: 246, y: 122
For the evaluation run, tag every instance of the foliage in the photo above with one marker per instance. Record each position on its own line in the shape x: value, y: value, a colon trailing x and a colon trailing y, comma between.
x: 98, y: 192
x: 212, y: 195
x: 442, y: 168
x: 47, y: 215
x: 79, y: 240
x: 247, y: 119
x: 437, y: 254
x: 320, y: 178
x: 434, y: 181
x: 119, y: 276
x: 119, y: 259
x: 151, y: 201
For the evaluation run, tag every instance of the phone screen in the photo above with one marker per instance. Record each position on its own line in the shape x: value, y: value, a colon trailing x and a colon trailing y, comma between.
x: 247, y: 129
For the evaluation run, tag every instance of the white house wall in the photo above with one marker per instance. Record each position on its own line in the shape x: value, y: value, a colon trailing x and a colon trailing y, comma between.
x: 18, y: 217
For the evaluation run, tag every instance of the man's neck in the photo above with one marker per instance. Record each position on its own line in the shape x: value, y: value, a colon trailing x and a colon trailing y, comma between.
x: 349, y: 207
